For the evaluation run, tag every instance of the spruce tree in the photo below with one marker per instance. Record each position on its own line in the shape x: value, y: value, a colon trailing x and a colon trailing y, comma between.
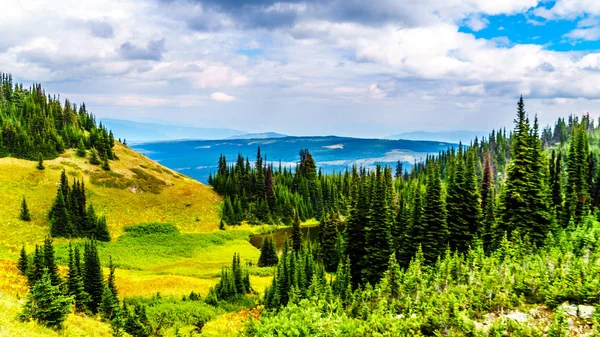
x: 268, y: 253
x: 105, y: 164
x: 93, y: 279
x: 46, y: 304
x: 94, y: 160
x: 111, y: 282
x: 40, y: 166
x: 23, y: 264
x: 221, y: 225
x: 24, y: 215
x: 75, y: 287
x: 434, y: 217
x: 60, y: 222
x: 108, y: 304
x: 356, y: 233
x: 328, y: 244
x: 378, y: 239
x: 50, y: 263
x: 101, y: 232
x: 80, y: 149
x: 296, y: 233
x: 37, y: 270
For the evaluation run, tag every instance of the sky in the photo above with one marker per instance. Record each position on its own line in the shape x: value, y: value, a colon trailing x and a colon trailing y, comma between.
x: 313, y: 67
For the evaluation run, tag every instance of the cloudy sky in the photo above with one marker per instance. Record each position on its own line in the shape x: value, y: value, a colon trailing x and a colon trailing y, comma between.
x: 311, y: 67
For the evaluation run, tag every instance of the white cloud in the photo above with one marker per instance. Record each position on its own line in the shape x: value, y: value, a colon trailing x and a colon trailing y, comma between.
x: 586, y: 34
x: 221, y: 97
x: 477, y: 23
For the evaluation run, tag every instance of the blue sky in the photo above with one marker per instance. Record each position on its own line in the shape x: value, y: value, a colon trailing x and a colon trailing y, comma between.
x: 308, y: 67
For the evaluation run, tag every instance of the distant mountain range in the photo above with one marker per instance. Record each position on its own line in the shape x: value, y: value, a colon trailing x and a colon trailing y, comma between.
x: 198, y: 158
x: 454, y: 136
x: 264, y: 135
x: 138, y: 132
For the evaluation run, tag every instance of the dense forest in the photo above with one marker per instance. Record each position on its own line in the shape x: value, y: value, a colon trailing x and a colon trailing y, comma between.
x: 34, y: 124
x: 506, y: 220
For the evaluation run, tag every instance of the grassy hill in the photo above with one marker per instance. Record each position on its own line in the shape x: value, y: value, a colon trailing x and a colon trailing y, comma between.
x: 136, y: 190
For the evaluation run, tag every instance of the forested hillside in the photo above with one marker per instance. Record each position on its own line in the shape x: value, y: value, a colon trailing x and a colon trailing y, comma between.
x: 502, y: 224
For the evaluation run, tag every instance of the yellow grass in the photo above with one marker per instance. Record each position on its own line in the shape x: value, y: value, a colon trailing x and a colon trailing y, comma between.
x: 183, y: 202
x: 229, y: 325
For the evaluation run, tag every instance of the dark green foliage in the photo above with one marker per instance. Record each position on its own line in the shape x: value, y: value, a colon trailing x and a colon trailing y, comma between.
x: 525, y: 203
x: 434, y: 227
x: 136, y: 321
x: 35, y: 125
x: 296, y: 234
x: 221, y: 225
x: 111, y: 282
x: 378, y: 243
x: 80, y: 149
x: 46, y: 303
x: 328, y: 250
x: 24, y: 215
x: 75, y: 286
x: 105, y: 164
x: 50, y: 263
x: 93, y: 279
x: 94, y: 159
x: 23, y: 264
x: 234, y: 282
x: 37, y: 269
x: 70, y: 215
x: 40, y: 165
x: 268, y: 253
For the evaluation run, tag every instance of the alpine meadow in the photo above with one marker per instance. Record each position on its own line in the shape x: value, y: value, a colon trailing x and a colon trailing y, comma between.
x: 300, y: 168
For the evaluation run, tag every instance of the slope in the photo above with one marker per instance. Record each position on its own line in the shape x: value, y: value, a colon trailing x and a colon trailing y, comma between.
x: 136, y: 190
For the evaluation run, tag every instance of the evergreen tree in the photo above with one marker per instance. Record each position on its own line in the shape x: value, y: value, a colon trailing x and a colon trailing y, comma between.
x: 378, y: 235
x: 101, y: 233
x: 46, y: 304
x: 60, y: 222
x: 23, y: 264
x: 80, y: 149
x: 24, y: 215
x: 356, y: 233
x: 75, y: 287
x: 268, y: 253
x: 50, y: 263
x: 38, y: 267
x: 105, y: 164
x: 40, y: 166
x: 94, y: 159
x: 296, y: 233
x: 111, y: 279
x: 221, y: 225
x: 328, y: 244
x: 434, y: 217
x: 93, y: 279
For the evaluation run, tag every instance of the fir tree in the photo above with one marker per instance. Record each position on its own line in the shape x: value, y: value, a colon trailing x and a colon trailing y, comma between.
x: 23, y: 264
x: 60, y: 222
x: 328, y: 244
x: 101, y: 232
x: 46, y: 304
x: 296, y: 233
x: 221, y: 225
x: 80, y: 149
x: 434, y: 217
x: 93, y: 279
x: 111, y: 282
x: 378, y: 238
x: 268, y: 253
x: 94, y: 159
x: 38, y: 267
x: 75, y: 287
x: 50, y: 263
x: 356, y: 234
x: 105, y: 164
x: 24, y: 215
x: 40, y: 166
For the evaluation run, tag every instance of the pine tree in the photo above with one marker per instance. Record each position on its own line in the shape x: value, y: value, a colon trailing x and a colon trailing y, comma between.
x: 23, y: 264
x: 60, y: 222
x: 221, y: 225
x: 268, y: 253
x: 111, y: 282
x: 46, y: 304
x: 105, y: 164
x: 328, y: 244
x: 40, y: 166
x: 38, y: 267
x: 94, y: 160
x: 228, y: 214
x: 80, y: 149
x: 50, y: 263
x: 75, y: 287
x: 93, y: 279
x: 356, y: 233
x: 434, y: 217
x: 296, y: 233
x: 108, y: 304
x: 378, y: 239
x: 101, y: 233
x: 24, y: 215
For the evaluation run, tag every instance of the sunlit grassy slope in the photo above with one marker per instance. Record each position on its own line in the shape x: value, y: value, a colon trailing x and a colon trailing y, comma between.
x: 142, y: 191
